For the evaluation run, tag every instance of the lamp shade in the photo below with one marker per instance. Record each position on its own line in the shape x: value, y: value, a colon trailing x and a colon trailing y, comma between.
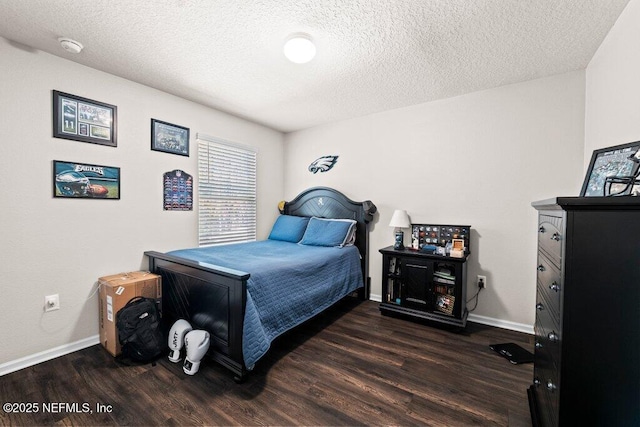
x: 400, y: 219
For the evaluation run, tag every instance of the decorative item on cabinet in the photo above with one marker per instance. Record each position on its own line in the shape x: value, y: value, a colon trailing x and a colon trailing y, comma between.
x: 400, y: 219
x: 457, y: 248
x: 442, y: 237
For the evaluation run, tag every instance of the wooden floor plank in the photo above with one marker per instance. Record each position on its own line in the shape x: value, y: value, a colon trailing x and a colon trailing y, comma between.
x: 348, y: 366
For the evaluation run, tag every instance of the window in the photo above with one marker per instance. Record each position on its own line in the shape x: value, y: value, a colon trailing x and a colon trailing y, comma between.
x: 226, y: 192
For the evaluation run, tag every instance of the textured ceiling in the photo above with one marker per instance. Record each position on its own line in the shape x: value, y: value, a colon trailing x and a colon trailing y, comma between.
x: 373, y: 55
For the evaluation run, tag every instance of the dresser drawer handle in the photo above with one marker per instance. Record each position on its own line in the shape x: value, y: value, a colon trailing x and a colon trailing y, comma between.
x: 554, y: 287
x: 541, y: 268
x: 552, y: 336
x: 551, y: 386
x: 537, y: 381
x: 541, y: 229
x: 538, y: 344
x: 539, y: 306
x: 555, y: 237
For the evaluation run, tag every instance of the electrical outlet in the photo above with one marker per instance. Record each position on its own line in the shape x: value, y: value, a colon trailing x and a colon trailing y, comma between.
x: 482, y: 282
x: 52, y: 302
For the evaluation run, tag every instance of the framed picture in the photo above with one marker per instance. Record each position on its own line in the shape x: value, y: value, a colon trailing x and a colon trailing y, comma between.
x: 82, y: 119
x: 169, y: 138
x: 85, y: 181
x: 613, y: 171
x: 178, y: 191
x: 445, y: 303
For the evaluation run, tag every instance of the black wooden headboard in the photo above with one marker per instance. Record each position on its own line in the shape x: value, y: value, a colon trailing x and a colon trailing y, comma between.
x: 324, y: 202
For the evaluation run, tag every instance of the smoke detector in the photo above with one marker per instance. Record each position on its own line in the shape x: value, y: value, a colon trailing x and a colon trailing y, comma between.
x: 70, y: 45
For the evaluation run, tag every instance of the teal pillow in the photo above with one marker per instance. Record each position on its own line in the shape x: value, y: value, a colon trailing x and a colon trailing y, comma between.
x: 328, y: 232
x: 289, y: 228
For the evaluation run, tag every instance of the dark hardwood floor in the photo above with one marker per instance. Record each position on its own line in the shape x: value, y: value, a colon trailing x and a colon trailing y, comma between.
x: 348, y: 366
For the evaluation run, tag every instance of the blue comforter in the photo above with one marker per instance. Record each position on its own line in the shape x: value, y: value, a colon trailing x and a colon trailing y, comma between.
x: 289, y: 284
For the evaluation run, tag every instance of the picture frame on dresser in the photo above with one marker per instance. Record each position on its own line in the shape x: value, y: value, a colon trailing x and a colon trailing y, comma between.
x: 613, y: 171
x: 85, y: 120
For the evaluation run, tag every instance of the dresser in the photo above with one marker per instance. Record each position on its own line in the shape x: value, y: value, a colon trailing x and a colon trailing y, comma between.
x: 587, y: 328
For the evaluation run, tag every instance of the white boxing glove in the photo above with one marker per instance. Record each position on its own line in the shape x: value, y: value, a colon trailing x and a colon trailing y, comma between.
x: 176, y: 338
x: 197, y: 344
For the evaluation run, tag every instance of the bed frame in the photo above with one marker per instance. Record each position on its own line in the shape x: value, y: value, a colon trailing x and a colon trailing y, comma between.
x: 213, y: 298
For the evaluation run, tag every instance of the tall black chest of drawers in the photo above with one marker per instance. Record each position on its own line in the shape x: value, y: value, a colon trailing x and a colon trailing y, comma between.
x: 587, y: 344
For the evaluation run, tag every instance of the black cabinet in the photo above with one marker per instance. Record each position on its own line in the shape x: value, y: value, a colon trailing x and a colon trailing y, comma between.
x: 424, y: 286
x: 587, y: 329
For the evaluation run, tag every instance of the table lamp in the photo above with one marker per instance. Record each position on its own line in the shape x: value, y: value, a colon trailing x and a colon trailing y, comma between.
x: 400, y: 219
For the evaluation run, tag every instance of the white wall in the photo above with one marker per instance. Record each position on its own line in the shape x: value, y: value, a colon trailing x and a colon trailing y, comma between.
x: 477, y: 159
x: 612, y: 111
x: 62, y: 246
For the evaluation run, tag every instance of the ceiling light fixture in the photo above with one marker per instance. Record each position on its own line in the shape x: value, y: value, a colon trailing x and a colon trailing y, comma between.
x: 70, y: 45
x: 299, y: 48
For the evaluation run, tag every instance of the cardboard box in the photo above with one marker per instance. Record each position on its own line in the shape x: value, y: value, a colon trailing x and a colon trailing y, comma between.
x: 115, y: 292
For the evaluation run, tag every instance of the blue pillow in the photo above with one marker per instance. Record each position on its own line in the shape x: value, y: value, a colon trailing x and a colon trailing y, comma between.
x: 328, y: 232
x: 289, y: 228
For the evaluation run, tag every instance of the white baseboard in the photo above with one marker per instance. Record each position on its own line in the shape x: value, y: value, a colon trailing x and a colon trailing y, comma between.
x: 43, y: 356
x: 376, y: 298
x: 490, y: 321
x: 504, y: 324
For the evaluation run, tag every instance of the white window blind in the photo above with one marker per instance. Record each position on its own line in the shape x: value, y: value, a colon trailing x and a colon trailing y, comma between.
x: 226, y: 192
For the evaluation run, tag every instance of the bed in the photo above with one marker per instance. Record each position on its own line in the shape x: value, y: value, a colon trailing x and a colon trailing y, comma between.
x: 247, y: 294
